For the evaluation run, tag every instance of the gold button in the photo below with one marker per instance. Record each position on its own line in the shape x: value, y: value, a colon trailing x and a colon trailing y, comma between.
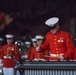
x: 54, y: 39
x: 56, y: 48
x: 7, y: 55
x: 38, y: 55
x: 12, y: 49
x: 55, y: 42
x: 57, y: 52
x: 55, y: 35
x: 57, y: 55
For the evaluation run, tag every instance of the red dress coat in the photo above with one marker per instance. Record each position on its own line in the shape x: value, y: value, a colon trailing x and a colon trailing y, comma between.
x: 60, y: 43
x: 9, y: 51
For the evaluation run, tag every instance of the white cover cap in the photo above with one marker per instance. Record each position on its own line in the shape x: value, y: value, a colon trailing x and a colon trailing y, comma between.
x: 9, y: 36
x: 39, y: 37
x: 52, y: 21
x: 34, y: 39
x: 27, y: 42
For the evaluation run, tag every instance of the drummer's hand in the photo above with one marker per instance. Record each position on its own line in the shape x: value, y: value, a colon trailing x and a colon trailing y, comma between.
x: 61, y: 57
x: 38, y: 49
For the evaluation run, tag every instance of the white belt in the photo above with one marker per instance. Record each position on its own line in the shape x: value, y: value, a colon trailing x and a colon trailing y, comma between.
x: 7, y: 57
x: 36, y: 59
x: 55, y: 55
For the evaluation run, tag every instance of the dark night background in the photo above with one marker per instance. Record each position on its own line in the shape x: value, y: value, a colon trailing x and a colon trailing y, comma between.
x: 30, y: 16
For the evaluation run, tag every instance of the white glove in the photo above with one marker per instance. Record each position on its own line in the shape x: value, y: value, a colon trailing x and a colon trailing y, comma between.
x: 61, y: 57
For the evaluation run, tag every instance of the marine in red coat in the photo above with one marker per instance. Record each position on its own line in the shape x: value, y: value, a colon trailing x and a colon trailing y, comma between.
x: 60, y: 42
x: 34, y: 43
x: 9, y: 55
x: 38, y: 55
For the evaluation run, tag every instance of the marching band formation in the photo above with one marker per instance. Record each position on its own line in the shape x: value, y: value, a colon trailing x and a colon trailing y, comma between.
x: 56, y: 45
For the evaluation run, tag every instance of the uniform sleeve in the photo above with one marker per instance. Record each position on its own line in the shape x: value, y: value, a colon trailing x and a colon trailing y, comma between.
x: 47, y: 52
x: 17, y: 54
x: 45, y: 46
x: 70, y: 46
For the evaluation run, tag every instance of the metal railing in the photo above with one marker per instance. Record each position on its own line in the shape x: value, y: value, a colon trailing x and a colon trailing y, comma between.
x: 46, y: 68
